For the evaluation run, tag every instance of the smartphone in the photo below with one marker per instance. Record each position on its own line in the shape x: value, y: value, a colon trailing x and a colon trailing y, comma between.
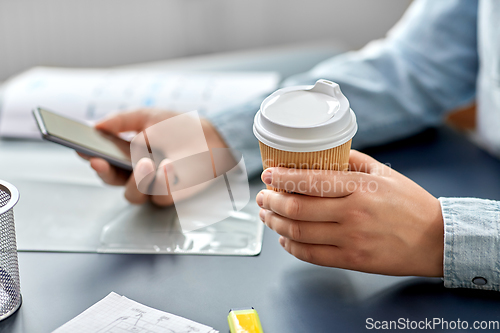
x: 83, y: 138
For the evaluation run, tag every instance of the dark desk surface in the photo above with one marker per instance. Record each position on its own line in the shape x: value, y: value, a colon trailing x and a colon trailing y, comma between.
x: 290, y: 295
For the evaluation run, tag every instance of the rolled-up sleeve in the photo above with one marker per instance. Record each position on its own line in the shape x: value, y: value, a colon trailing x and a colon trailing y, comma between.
x: 472, y: 243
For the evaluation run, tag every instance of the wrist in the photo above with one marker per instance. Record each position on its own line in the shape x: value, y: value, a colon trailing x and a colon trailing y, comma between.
x: 437, y: 232
x: 214, y: 139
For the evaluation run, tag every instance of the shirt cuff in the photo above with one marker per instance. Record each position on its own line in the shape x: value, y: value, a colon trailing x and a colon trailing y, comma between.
x: 471, y: 243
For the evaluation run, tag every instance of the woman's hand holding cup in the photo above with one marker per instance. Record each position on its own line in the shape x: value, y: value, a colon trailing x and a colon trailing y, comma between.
x: 370, y: 219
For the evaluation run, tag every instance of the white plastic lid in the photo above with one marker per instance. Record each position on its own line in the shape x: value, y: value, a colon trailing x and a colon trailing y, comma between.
x: 305, y: 118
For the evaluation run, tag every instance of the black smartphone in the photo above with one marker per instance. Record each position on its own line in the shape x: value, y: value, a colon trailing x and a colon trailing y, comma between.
x: 83, y: 138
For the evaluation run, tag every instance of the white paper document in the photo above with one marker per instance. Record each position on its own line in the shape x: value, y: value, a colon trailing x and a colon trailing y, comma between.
x: 90, y: 94
x: 116, y: 313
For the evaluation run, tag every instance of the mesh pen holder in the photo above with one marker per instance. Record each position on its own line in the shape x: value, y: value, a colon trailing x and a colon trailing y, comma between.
x: 10, y: 292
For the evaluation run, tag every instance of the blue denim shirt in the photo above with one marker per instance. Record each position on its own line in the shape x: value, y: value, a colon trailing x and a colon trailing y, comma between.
x: 440, y: 56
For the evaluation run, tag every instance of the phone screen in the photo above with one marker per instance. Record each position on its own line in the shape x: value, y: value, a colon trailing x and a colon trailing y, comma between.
x: 85, y: 136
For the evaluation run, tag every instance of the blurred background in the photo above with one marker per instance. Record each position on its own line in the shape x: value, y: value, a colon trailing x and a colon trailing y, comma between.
x: 96, y: 33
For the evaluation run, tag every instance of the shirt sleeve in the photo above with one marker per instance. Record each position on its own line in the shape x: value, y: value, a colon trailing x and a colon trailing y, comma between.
x: 427, y: 65
x: 397, y: 86
x: 472, y: 243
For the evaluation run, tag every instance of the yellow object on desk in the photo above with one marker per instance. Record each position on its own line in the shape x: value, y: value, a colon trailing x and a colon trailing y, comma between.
x: 244, y: 321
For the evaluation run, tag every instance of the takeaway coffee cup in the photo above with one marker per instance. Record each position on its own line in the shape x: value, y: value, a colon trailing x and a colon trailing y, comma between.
x: 306, y: 127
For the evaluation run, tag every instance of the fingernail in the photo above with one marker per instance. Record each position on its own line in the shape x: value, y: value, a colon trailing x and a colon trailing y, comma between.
x: 144, y: 167
x: 282, y: 241
x: 260, y: 199
x: 262, y: 215
x: 267, y: 176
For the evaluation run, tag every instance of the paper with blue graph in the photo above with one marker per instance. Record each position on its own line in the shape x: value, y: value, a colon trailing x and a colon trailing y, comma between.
x: 118, y: 314
x: 90, y: 94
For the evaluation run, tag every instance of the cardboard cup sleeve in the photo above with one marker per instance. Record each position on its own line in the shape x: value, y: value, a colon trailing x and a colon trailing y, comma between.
x: 336, y: 158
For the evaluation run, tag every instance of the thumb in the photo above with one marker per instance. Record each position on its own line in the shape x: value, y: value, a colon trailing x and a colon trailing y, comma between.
x: 123, y: 122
